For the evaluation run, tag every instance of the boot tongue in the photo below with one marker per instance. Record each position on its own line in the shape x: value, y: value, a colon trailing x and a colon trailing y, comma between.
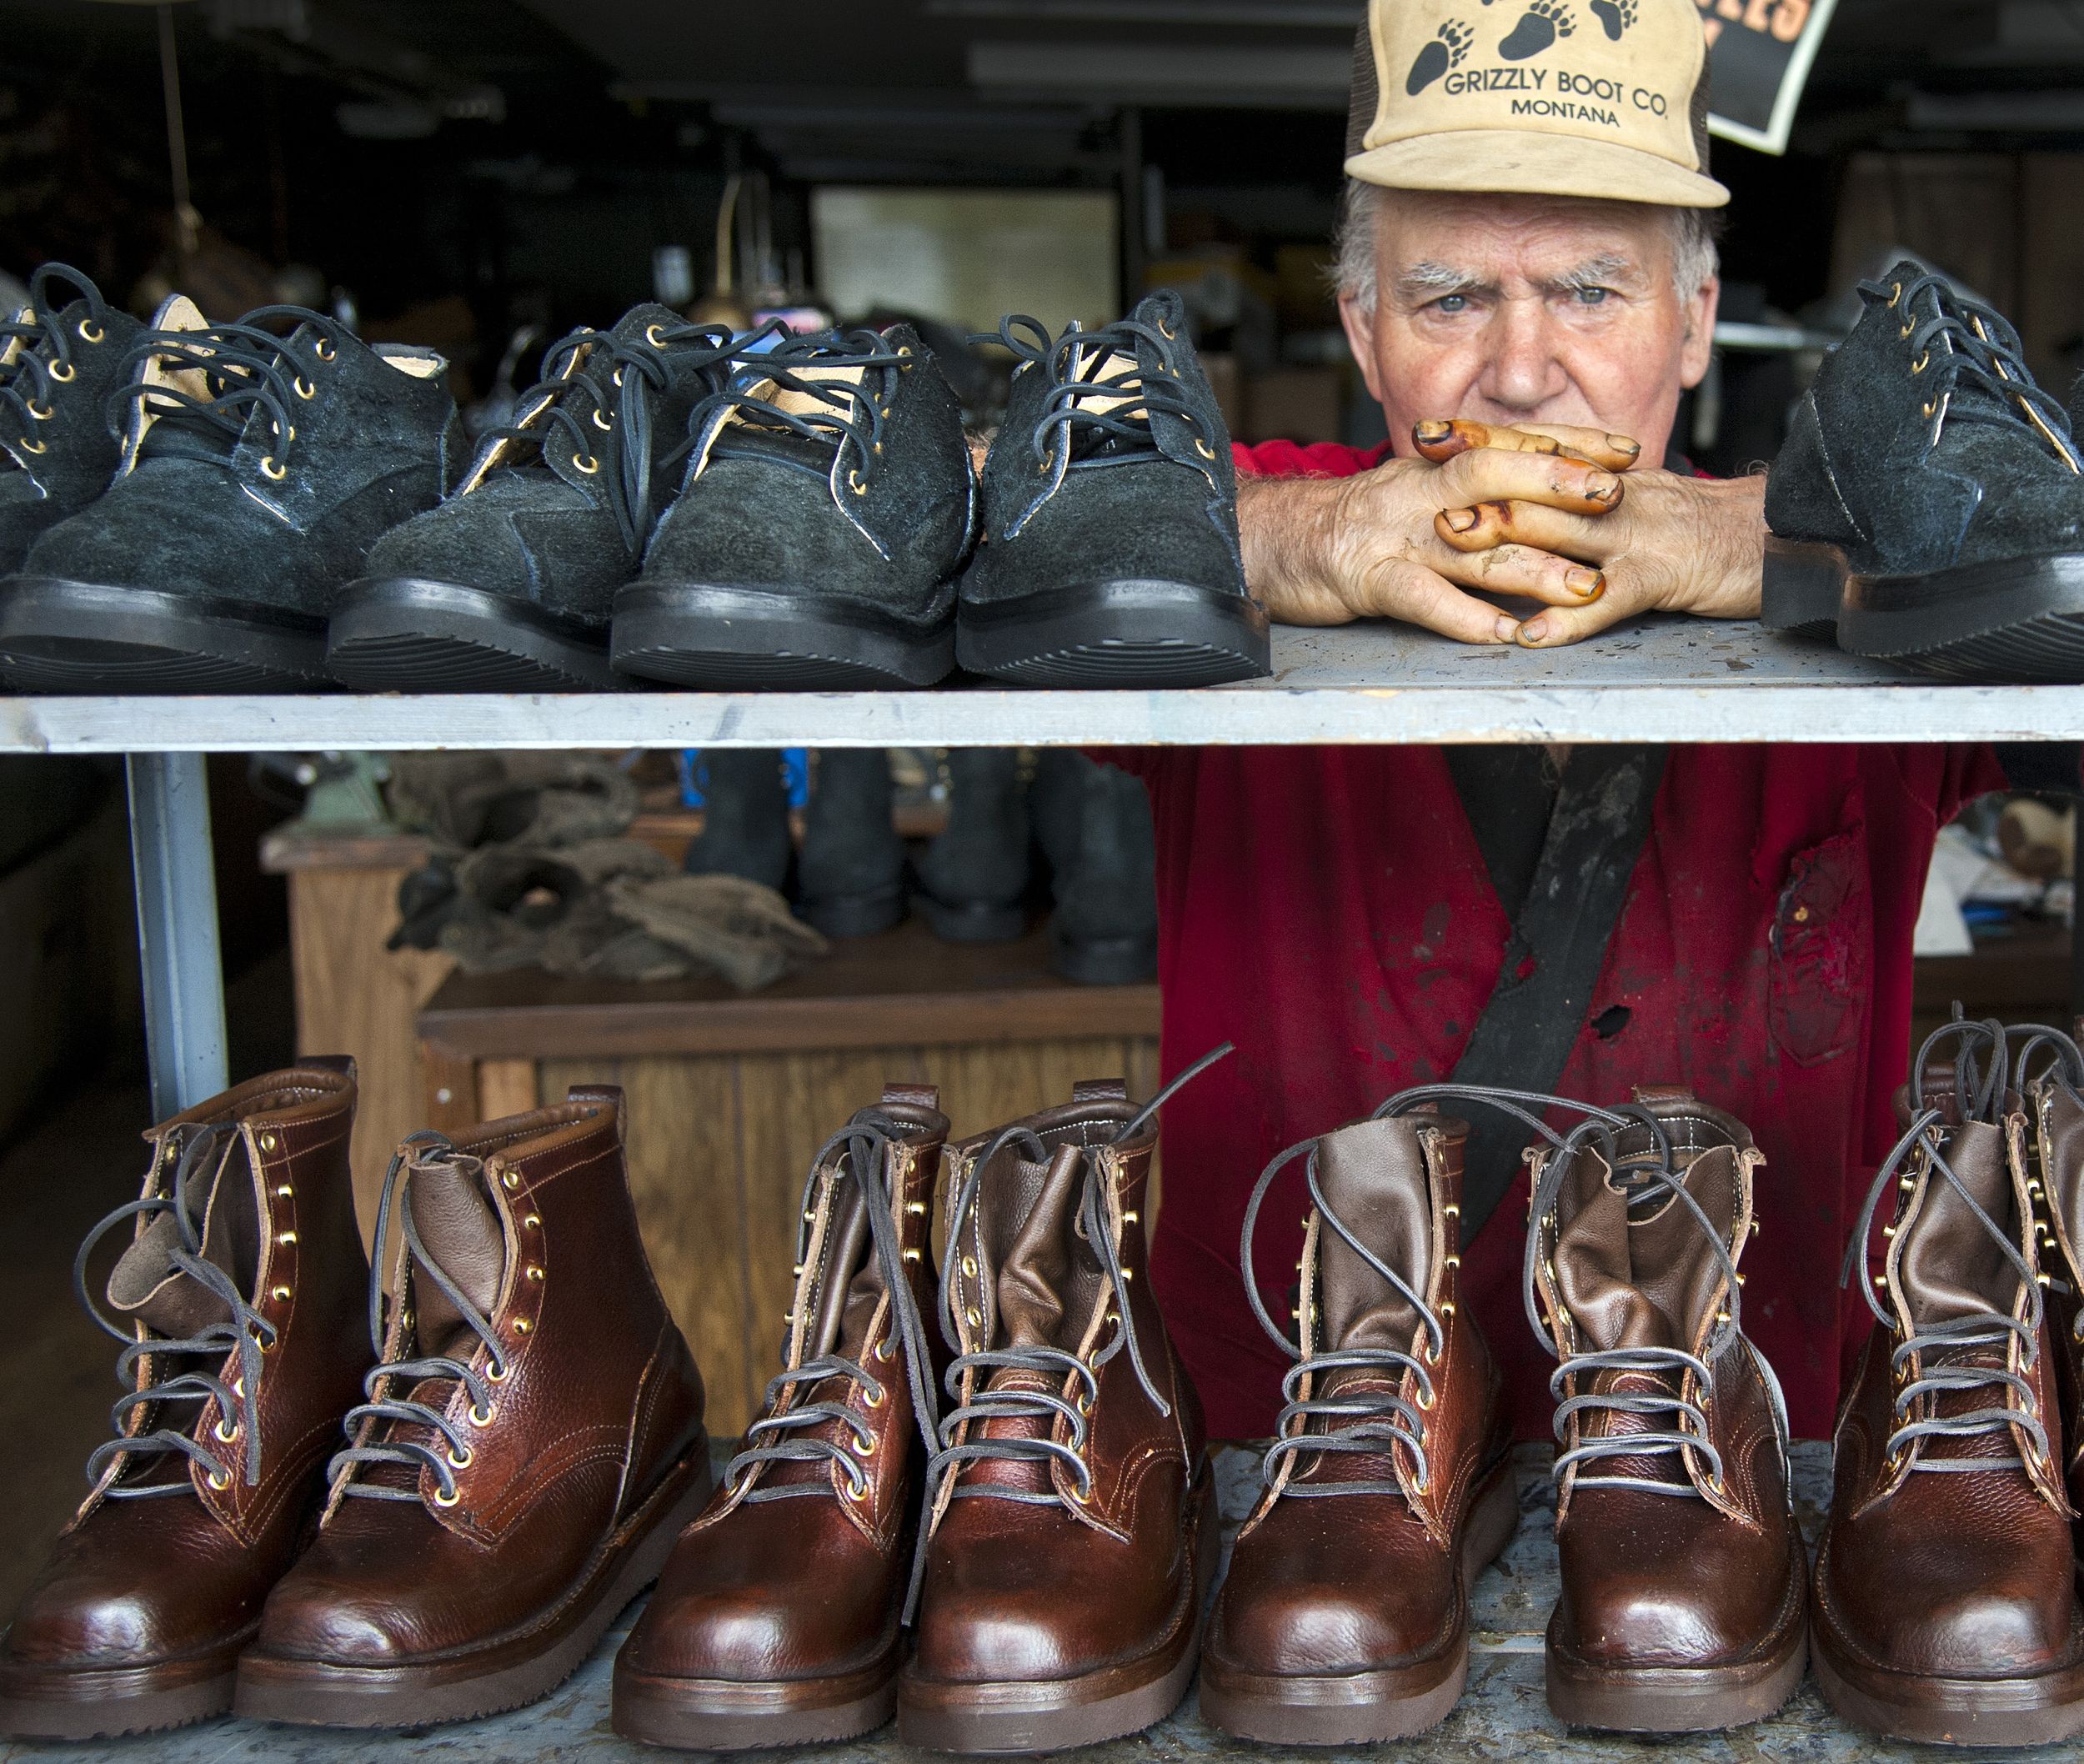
x: 1949, y: 1265
x: 223, y: 1211
x: 459, y: 1229
x: 1373, y: 1176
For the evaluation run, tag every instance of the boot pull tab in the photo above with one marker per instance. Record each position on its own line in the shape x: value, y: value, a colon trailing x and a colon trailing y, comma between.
x: 344, y: 1064
x: 914, y: 1095
x: 602, y: 1095
x: 1663, y: 1093
x: 1100, y: 1090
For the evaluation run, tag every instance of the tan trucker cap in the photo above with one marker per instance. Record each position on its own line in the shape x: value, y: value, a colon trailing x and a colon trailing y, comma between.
x: 1550, y: 97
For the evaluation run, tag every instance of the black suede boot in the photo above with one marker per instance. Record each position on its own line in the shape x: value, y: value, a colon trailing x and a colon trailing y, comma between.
x: 828, y: 506
x: 1110, y: 555
x: 258, y: 471
x: 1094, y: 826
x: 744, y: 818
x: 850, y: 875
x: 974, y: 878
x: 507, y: 585
x: 1928, y: 504
x: 58, y: 364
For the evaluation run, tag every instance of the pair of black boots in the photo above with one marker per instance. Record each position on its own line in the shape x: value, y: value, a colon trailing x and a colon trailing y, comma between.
x: 972, y: 884
x: 1927, y: 507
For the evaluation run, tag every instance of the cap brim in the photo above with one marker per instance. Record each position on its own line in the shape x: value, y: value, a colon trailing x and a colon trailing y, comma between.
x: 1523, y: 164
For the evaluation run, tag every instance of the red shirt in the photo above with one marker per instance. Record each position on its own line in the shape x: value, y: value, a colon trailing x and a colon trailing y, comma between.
x: 1328, y: 909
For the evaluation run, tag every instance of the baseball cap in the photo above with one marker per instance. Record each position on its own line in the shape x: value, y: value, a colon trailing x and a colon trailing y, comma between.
x: 1551, y: 97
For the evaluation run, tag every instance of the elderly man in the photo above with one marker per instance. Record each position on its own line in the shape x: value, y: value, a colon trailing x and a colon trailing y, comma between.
x: 1528, y: 282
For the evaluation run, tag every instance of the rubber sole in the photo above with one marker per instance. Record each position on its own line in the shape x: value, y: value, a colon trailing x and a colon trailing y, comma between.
x: 724, y: 1715
x: 1953, y: 1711
x: 410, y: 634
x: 314, y: 1693
x: 1362, y: 1708
x: 2018, y: 621
x: 1122, y: 634
x: 726, y: 638
x: 853, y: 916
x: 972, y: 921
x: 1107, y: 961
x: 107, y: 1703
x: 1053, y: 1715
x: 58, y: 636
x: 1672, y: 1699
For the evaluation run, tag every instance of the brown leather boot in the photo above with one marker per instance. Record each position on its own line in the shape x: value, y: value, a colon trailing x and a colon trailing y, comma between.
x: 777, y: 1621
x: 531, y: 1445
x: 1344, y: 1615
x: 2054, y: 1092
x: 1945, y: 1605
x: 1072, y: 1523
x: 1683, y: 1570
x: 240, y: 1297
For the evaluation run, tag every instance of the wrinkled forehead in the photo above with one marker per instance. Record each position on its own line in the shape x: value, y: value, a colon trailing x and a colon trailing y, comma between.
x: 1493, y: 238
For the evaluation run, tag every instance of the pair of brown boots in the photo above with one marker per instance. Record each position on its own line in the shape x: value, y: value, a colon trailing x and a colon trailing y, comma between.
x: 518, y: 1462
x: 1063, y: 1488
x: 1344, y: 1615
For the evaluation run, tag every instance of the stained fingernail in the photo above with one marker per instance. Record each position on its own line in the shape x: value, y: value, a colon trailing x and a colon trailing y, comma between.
x: 1462, y: 519
x: 1622, y: 444
x: 1432, y: 431
x: 1508, y: 628
x: 1601, y: 486
x: 1586, y: 582
x: 1535, y: 630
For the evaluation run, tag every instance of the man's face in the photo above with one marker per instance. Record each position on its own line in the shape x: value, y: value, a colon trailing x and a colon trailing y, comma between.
x: 1528, y: 309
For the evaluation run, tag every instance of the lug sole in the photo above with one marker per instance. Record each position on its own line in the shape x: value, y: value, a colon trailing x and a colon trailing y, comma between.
x: 59, y: 636
x: 1363, y: 1708
x: 1121, y: 635
x: 726, y: 638
x: 1952, y: 1711
x: 2021, y: 621
x: 724, y: 1715
x: 1053, y: 1715
x: 314, y: 1693
x: 106, y: 1703
x: 410, y: 634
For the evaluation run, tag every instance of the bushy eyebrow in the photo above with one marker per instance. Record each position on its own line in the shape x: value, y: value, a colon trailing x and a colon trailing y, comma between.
x: 1429, y: 279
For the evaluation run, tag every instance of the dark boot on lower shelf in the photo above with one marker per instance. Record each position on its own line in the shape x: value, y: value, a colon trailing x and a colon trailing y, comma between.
x: 851, y: 870
x: 1096, y: 824
x: 241, y: 1294
x: 974, y: 878
x: 531, y: 1445
x: 744, y: 818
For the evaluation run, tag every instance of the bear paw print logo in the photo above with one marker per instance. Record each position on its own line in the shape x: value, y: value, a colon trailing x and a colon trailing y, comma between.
x: 1543, y: 22
x: 1445, y: 51
x: 1615, y: 16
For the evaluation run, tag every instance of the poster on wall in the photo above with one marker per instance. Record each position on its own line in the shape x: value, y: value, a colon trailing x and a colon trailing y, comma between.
x: 1759, y: 56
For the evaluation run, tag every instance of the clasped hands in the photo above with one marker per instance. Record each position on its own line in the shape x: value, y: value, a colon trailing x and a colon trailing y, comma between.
x: 1568, y: 517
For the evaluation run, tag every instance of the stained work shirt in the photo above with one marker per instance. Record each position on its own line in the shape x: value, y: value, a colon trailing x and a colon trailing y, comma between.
x: 1329, y: 910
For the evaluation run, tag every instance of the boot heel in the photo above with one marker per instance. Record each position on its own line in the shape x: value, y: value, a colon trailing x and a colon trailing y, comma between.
x: 1803, y: 587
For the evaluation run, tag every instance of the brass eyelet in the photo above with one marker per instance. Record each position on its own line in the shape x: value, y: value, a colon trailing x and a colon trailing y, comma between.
x: 534, y: 1222
x: 1165, y: 331
x: 534, y: 1272
x: 1082, y: 1403
x: 653, y: 337
x: 267, y: 1142
x: 1905, y: 330
x: 323, y: 349
x: 274, y: 472
x: 861, y: 1451
x: 604, y: 424
x: 1203, y: 449
x: 586, y: 462
x: 970, y: 1267
x: 856, y: 484
x: 508, y: 1180
x: 1924, y: 361
x: 1081, y: 1498
x: 885, y: 1350
x: 40, y: 413
x: 218, y: 1480
x: 447, y: 1498
x: 1428, y: 1400
x: 875, y: 1400
x: 483, y: 1417
x: 305, y: 389
x: 281, y: 1294
x: 222, y: 1435
x: 499, y: 1374
x: 1895, y: 293
x: 90, y: 332
x: 29, y: 446
x: 464, y: 1462
x: 287, y: 1238
x: 1931, y: 407
x: 68, y: 377
x: 858, y: 1492
x: 522, y: 1326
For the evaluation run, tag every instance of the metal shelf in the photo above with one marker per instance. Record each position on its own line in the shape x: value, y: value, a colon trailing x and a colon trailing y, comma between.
x: 1664, y: 677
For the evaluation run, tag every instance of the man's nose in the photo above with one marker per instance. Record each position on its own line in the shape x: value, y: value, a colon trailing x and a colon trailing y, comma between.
x: 1522, y: 371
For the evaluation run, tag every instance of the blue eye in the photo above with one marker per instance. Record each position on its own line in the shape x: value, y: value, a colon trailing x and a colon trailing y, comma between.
x: 1591, y: 296
x: 1451, y: 303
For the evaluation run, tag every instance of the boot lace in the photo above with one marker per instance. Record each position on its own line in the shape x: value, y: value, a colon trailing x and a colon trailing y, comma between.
x: 1982, y: 1069
x: 45, y: 355
x: 841, y: 412
x: 1362, y: 1421
x: 595, y: 383
x: 245, y: 368
x: 247, y: 1334
x: 1054, y: 1365
x: 1974, y: 344
x: 382, y: 1407
x: 780, y: 1435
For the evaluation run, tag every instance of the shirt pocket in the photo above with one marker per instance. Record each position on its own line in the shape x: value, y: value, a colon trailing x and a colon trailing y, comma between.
x: 1822, y: 947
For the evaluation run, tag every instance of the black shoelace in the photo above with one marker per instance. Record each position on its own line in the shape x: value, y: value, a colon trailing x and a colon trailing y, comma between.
x: 382, y: 1409
x: 1649, y: 1178
x: 1982, y: 1070
x: 782, y: 1431
x: 1369, y: 1421
x: 842, y: 413
x: 44, y: 354
x: 245, y: 368
x: 1963, y: 339
x: 594, y: 384
x: 1100, y: 401
x: 968, y: 1372
x: 246, y: 1333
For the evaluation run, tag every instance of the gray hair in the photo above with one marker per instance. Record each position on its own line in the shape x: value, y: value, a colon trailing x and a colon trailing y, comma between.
x: 1694, y: 259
